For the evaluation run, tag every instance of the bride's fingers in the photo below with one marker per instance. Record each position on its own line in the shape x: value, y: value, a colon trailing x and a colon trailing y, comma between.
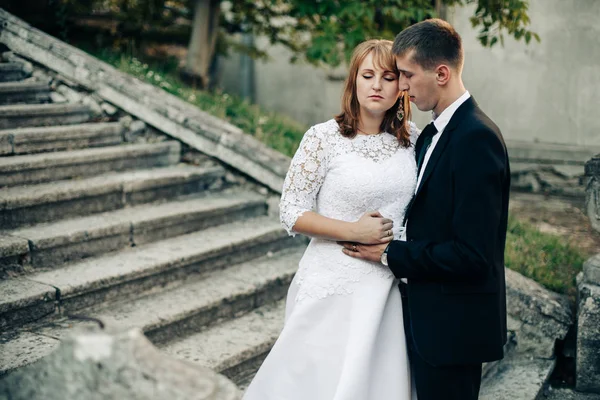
x: 387, y: 227
x: 387, y: 233
x: 388, y: 236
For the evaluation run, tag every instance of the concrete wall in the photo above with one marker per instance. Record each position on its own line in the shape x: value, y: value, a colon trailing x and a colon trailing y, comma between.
x: 546, y: 92
x: 549, y: 91
x: 300, y: 90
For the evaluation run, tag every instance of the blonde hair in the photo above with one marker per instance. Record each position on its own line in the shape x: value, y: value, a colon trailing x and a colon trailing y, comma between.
x: 349, y: 117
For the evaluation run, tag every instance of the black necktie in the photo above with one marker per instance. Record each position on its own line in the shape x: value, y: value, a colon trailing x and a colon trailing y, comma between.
x: 425, y: 141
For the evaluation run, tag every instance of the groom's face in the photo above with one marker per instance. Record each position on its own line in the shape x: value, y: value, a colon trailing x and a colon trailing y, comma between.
x: 420, y: 84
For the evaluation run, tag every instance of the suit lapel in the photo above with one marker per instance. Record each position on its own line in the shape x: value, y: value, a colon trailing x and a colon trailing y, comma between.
x: 458, y: 116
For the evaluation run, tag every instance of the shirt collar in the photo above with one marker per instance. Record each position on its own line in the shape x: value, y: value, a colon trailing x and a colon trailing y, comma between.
x: 442, y: 120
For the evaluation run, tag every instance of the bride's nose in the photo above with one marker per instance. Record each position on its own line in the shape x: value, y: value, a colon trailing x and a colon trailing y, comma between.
x: 376, y: 84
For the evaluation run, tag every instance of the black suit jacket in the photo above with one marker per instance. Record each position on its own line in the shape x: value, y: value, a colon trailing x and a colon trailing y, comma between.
x: 454, y: 253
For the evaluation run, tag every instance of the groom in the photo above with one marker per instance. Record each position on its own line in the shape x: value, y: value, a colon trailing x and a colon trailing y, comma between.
x: 451, y: 260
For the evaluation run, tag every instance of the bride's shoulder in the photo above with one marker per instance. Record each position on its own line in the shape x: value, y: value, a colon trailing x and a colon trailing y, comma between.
x: 327, y: 131
x: 414, y: 132
x: 330, y: 127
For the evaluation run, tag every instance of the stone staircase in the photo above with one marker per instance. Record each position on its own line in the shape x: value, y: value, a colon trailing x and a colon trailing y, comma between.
x: 94, y: 227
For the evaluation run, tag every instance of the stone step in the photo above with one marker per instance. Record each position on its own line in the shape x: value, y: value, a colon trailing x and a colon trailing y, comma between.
x: 143, y: 268
x: 24, y: 115
x: 12, y: 71
x: 14, y: 252
x: 19, y: 349
x: 23, y: 300
x: 516, y: 378
x: 24, y: 92
x: 238, y: 346
x: 28, y: 205
x: 56, y: 138
x: 49, y: 167
x: 50, y: 245
x: 222, y: 294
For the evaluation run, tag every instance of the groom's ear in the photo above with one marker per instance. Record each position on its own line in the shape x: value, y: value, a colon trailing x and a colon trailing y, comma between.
x: 443, y: 74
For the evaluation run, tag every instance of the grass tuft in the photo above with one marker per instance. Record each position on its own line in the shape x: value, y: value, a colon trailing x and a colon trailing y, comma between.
x: 543, y: 257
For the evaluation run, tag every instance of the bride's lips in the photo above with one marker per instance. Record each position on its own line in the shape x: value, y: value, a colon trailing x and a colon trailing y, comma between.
x: 375, y: 97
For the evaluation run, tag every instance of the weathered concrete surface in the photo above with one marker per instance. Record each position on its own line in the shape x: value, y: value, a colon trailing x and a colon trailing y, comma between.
x: 143, y: 268
x: 13, y: 71
x: 47, y: 202
x: 24, y: 115
x: 63, y: 137
x: 14, y: 252
x: 55, y: 243
x: 24, y: 92
x: 11, y: 246
x: 49, y: 167
x: 202, y: 302
x: 237, y: 347
x: 517, y: 379
x: 588, y: 328
x: 114, y: 365
x: 539, y: 316
x: 591, y: 270
x: 19, y: 349
x: 23, y: 301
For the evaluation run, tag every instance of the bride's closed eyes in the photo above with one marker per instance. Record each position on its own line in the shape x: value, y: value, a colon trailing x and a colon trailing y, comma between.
x: 389, y: 78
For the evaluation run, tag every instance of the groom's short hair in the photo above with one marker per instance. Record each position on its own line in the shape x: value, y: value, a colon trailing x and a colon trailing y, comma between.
x: 434, y: 42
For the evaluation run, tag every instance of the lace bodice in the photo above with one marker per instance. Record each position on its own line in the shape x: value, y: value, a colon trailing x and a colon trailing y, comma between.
x: 343, y: 178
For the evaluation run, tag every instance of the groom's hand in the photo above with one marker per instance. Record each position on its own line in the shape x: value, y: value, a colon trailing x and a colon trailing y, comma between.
x: 371, y: 252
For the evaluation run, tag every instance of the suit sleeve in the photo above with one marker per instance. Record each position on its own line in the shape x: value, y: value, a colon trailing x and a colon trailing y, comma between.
x: 479, y: 174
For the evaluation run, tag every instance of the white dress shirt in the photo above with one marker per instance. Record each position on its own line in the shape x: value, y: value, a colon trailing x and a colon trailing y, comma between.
x: 440, y: 122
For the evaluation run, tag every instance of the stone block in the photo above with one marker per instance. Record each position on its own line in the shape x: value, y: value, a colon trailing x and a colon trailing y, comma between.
x: 592, y: 201
x: 98, y: 364
x: 591, y: 270
x: 592, y: 167
x: 539, y: 316
x: 57, y: 98
x: 517, y: 379
x: 108, y: 109
x: 588, y: 328
x: 71, y: 95
x: 134, y: 129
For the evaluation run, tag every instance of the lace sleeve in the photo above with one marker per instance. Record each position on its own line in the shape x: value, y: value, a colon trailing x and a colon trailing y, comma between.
x: 304, y: 179
x: 414, y: 132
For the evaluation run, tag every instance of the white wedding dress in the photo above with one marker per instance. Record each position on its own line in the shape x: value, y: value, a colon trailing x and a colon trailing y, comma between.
x: 343, y: 337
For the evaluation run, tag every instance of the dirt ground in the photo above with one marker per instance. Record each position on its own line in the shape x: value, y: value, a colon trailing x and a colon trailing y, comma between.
x: 560, y: 216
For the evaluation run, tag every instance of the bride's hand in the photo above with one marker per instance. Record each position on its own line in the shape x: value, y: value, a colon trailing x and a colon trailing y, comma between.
x: 373, y: 228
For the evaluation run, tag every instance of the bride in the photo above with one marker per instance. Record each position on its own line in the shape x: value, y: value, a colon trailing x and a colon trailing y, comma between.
x: 343, y: 337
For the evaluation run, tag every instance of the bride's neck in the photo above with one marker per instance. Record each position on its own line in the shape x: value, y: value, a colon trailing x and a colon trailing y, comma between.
x: 370, y: 124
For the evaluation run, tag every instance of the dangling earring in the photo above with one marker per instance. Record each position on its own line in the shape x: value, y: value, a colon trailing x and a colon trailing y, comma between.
x: 400, y: 112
